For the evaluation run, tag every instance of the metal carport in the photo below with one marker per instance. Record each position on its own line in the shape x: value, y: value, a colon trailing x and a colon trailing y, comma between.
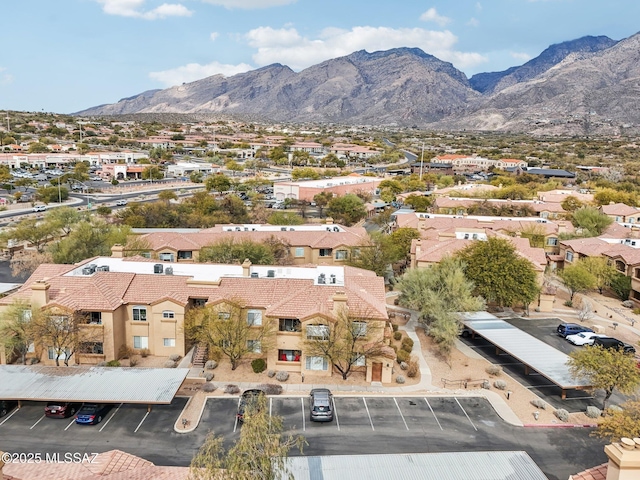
x: 91, y: 384
x: 533, y: 353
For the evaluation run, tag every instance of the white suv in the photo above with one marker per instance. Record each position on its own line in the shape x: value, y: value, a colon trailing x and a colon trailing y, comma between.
x: 39, y: 208
x: 121, y: 203
x: 584, y: 338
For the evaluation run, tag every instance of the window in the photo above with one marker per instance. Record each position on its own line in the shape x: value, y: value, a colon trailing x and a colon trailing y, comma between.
x: 326, y: 252
x: 289, y: 325
x: 168, y: 314
x: 92, y: 348
x: 341, y: 254
x: 169, y: 342
x: 140, y: 314
x: 360, y: 361
x: 317, y: 363
x: 289, y: 355
x: 53, y: 353
x: 552, y: 242
x: 140, y: 342
x: 198, y: 302
x: 146, y: 254
x: 359, y: 329
x: 568, y: 256
x: 185, y: 255
x: 620, y: 266
x: 166, y: 257
x: 224, y: 315
x: 299, y: 252
x: 254, y: 346
x: 25, y: 315
x: 618, y: 219
x: 254, y: 317
x: 636, y: 272
x: 95, y: 318
x: 317, y: 332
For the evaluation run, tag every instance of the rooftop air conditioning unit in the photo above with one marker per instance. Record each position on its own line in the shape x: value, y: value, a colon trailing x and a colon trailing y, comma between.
x: 292, y: 229
x: 103, y: 268
x: 157, y: 268
x: 254, y: 274
x: 336, y: 229
x: 237, y: 229
x: 332, y: 278
x: 322, y: 279
x: 86, y: 271
x: 271, y: 273
x: 168, y: 271
x: 328, y: 229
x: 283, y: 229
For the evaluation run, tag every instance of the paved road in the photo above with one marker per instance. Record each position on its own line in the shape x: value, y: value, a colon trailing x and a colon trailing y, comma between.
x: 363, y: 425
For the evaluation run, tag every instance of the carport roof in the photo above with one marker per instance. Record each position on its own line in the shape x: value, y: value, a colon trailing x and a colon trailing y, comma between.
x: 90, y: 384
x: 418, y: 466
x: 540, y: 356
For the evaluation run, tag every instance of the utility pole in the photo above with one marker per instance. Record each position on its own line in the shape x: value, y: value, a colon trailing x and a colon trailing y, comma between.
x: 59, y: 192
x: 421, y: 161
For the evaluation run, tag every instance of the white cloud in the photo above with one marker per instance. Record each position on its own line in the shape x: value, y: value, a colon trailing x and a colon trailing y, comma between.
x: 478, y: 6
x: 288, y: 47
x: 133, y: 9
x: 525, y: 57
x: 213, y: 36
x: 249, y: 4
x: 432, y: 15
x: 195, y: 71
x: 5, y: 77
x: 473, y: 22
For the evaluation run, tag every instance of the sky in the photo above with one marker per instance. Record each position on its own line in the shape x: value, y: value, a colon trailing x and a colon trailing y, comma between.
x: 63, y: 56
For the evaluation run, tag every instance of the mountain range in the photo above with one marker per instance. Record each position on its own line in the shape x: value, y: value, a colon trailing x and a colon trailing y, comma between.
x: 586, y: 86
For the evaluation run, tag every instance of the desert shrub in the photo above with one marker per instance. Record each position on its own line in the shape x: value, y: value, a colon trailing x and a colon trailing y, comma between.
x: 395, y: 328
x: 414, y: 368
x: 404, y: 365
x: 394, y: 347
x: 208, y: 387
x: 500, y: 384
x: 400, y: 379
x: 101, y: 364
x: 211, y: 365
x: 402, y: 356
x: 493, y: 370
x: 258, y: 365
x: 270, y: 388
x: 174, y: 357
x: 215, y: 353
x: 112, y: 363
x: 170, y: 364
x: 486, y: 385
x: 34, y: 361
x: 593, y: 412
x: 231, y: 389
x: 568, y: 303
x: 397, y: 335
x: 562, y: 414
x: 407, y: 344
x: 628, y: 304
x: 134, y: 360
x: 538, y: 402
x: 636, y: 311
x: 282, y: 376
x: 271, y: 373
x: 208, y: 376
x: 124, y: 352
x: 145, y: 352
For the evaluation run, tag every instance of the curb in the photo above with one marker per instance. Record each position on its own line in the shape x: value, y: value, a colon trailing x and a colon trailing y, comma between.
x: 176, y: 426
x: 561, y: 425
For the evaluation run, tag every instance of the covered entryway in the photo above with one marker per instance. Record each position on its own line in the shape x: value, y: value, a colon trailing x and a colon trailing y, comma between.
x: 376, y: 372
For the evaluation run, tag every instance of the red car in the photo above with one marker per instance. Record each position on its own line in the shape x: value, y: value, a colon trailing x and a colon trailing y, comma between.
x: 61, y: 409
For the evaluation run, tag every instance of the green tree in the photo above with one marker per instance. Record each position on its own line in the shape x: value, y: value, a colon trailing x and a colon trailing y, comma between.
x: 233, y: 166
x: 37, y: 147
x: 347, y: 209
x: 605, y: 368
x: 621, y: 286
x: 167, y: 195
x: 63, y: 219
x: 380, y: 250
x: 321, y: 200
x: 260, y: 453
x: 231, y: 329
x: 571, y: 204
x: 31, y: 230
x: 600, y: 269
x: 499, y: 274
x: 5, y: 174
x: 15, y: 332
x: 305, y: 173
x: 591, y: 221
x: 344, y: 340
x: 394, y: 186
x: 229, y: 251
x: 620, y: 424
x: 439, y: 293
x: 81, y: 171
x: 152, y: 172
x: 218, y: 183
x: 83, y: 148
x: 52, y: 194
x: 577, y: 279
x: 285, y: 218
x: 420, y: 203
x: 89, y: 239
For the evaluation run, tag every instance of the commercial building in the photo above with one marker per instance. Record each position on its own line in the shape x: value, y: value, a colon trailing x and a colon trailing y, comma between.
x: 306, y: 190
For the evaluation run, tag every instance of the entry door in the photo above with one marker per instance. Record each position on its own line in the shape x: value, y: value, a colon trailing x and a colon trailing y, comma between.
x: 376, y: 372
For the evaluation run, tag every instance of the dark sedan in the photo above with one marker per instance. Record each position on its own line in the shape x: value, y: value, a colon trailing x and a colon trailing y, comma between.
x: 61, y: 409
x: 6, y: 406
x: 92, y: 413
x: 249, y: 397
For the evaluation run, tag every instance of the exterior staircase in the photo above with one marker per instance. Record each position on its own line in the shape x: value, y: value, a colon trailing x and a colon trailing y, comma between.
x: 200, y: 355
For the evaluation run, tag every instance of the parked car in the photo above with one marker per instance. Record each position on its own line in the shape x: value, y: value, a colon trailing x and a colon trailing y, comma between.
x: 565, y: 329
x: 39, y: 208
x: 6, y: 406
x: 320, y: 404
x: 92, y: 413
x: 610, y: 342
x: 61, y: 409
x: 583, y: 338
x: 248, y: 396
x: 121, y: 203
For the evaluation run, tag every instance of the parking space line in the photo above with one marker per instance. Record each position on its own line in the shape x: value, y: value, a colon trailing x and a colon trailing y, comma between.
x: 9, y: 416
x: 303, y: 422
x: 370, y: 421
x: 465, y: 414
x: 335, y: 412
x: 398, y: 407
x: 39, y: 420
x: 141, y: 422
x: 434, y: 415
x: 71, y: 423
x: 235, y: 424
x: 112, y: 415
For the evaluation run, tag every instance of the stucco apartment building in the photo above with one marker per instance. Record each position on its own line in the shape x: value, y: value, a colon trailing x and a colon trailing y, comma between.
x: 474, y: 163
x: 621, y: 213
x: 306, y: 190
x: 138, y: 303
x: 461, y: 206
x: 327, y: 244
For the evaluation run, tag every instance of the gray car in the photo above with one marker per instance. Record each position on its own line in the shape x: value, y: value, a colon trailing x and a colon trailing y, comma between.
x: 321, y: 405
